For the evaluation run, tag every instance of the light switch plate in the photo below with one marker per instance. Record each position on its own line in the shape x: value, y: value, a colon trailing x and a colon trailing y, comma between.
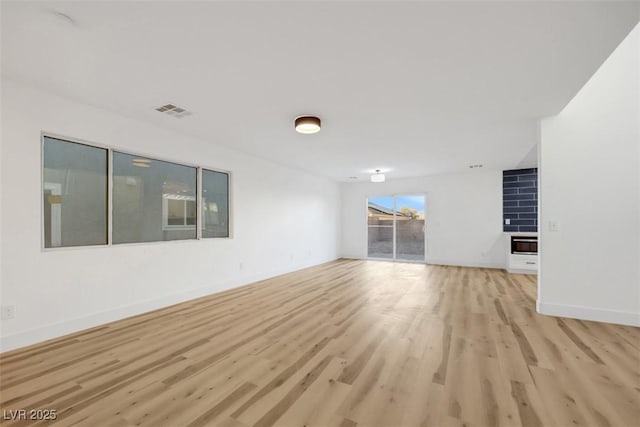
x: 553, y: 226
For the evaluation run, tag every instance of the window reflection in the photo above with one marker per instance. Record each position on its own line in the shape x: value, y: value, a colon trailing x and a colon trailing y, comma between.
x: 74, y: 194
x: 153, y: 200
x: 215, y: 204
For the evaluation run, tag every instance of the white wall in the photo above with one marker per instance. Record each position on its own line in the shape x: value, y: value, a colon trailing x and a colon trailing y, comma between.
x: 590, y: 185
x: 463, y: 216
x: 283, y: 220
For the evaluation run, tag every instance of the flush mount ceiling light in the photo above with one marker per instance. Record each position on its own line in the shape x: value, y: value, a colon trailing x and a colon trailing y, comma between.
x: 377, y: 177
x: 307, y: 124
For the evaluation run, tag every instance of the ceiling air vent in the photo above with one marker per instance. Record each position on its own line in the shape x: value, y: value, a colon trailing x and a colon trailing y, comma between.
x: 174, y: 111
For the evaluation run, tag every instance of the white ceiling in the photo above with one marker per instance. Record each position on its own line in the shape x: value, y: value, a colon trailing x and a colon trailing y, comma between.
x: 413, y: 88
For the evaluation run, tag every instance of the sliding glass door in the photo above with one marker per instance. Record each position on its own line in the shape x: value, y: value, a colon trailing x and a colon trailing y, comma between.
x: 396, y: 227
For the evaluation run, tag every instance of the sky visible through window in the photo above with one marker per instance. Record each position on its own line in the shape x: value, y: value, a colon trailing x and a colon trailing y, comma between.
x: 412, y: 202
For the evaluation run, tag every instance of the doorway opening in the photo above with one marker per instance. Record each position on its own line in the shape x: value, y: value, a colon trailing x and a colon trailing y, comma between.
x: 396, y: 227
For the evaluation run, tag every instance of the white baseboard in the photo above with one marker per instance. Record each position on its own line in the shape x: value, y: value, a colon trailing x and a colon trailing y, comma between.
x: 351, y: 257
x: 454, y: 263
x: 628, y: 318
x: 522, y: 271
x: 56, y: 330
x: 465, y: 263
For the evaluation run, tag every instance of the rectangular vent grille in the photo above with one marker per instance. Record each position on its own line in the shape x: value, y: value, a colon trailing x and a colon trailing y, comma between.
x: 174, y: 111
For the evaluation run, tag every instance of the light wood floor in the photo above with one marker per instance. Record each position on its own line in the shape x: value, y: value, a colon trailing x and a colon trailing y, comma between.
x: 349, y: 343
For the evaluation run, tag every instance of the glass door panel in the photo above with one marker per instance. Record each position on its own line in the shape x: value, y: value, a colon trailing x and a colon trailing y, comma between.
x: 380, y: 219
x: 410, y: 228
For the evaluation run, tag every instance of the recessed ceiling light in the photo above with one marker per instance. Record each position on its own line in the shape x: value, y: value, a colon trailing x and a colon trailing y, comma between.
x: 307, y: 124
x: 475, y: 166
x: 377, y: 177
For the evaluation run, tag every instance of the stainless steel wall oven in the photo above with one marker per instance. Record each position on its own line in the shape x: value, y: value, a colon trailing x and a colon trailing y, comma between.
x: 524, y: 245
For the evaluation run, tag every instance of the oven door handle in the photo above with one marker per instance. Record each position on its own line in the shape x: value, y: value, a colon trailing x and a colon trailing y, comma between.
x: 526, y: 240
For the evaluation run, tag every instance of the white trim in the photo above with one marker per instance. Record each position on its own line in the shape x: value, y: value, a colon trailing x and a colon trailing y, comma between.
x: 429, y: 261
x: 589, y: 313
x: 522, y: 271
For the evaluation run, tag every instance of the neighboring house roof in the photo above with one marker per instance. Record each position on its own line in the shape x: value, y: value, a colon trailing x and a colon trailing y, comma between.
x: 375, y: 208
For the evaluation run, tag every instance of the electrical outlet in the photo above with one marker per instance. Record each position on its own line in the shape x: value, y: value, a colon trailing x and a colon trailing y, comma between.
x: 241, y: 266
x: 553, y: 226
x: 8, y: 312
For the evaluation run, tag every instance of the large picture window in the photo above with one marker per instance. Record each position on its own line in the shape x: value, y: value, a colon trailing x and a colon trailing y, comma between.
x: 74, y: 194
x: 149, y: 200
x: 153, y: 200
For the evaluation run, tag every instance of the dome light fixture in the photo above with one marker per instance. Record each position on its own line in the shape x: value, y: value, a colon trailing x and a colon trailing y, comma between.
x: 307, y: 124
x: 377, y: 177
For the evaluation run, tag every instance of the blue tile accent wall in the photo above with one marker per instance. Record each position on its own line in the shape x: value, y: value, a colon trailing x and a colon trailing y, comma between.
x: 520, y: 200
